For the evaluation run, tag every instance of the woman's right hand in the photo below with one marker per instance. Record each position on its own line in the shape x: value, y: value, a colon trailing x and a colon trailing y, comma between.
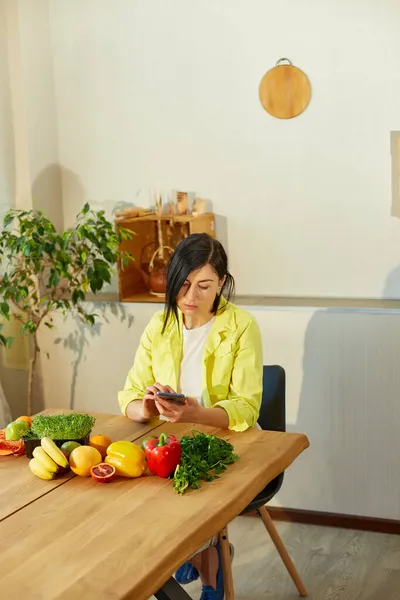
x: 149, y: 408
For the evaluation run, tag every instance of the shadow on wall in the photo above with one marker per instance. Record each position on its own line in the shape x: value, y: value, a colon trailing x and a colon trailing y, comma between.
x: 5, y: 412
x: 47, y: 195
x: 59, y: 193
x: 79, y: 340
x: 349, y: 407
x: 54, y: 190
x: 15, y: 385
x: 392, y: 285
x: 221, y: 230
x: 395, y: 160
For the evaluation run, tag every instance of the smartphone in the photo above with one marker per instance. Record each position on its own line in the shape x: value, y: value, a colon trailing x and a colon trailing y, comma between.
x: 173, y: 398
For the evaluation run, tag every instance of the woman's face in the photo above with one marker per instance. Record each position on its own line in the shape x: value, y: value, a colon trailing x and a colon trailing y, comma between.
x: 198, y: 293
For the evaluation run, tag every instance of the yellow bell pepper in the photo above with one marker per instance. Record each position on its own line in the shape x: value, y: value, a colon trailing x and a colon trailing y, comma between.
x: 128, y: 459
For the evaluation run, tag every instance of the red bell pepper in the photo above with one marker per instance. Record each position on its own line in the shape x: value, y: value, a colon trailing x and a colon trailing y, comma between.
x: 163, y: 454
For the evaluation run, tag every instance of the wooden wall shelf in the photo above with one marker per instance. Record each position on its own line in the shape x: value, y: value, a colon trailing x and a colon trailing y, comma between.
x: 132, y: 278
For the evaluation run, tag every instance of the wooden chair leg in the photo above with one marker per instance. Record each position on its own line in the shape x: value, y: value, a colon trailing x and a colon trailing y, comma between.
x: 280, y: 546
x: 226, y: 564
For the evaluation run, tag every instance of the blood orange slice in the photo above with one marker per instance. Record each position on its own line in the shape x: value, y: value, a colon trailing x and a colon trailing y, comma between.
x: 103, y: 473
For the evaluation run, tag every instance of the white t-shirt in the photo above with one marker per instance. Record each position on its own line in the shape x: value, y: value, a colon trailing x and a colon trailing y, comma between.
x: 191, y: 374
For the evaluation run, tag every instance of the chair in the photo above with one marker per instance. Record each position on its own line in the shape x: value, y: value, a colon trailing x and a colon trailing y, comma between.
x: 272, y: 417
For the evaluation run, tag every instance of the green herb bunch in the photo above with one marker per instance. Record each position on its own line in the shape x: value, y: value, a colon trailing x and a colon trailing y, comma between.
x: 204, y: 457
x: 73, y: 426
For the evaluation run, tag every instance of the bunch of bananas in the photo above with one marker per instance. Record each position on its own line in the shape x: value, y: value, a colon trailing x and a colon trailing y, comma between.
x: 48, y: 460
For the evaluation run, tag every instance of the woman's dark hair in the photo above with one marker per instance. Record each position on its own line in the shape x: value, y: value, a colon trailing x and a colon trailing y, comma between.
x: 194, y: 252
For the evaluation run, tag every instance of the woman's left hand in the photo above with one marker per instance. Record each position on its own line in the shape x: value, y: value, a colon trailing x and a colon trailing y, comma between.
x: 184, y: 413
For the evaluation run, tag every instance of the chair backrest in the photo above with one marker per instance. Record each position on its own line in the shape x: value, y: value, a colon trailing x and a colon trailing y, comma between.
x: 273, y: 405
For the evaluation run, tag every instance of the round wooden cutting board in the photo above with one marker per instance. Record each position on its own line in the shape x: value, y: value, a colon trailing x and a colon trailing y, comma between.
x: 285, y: 91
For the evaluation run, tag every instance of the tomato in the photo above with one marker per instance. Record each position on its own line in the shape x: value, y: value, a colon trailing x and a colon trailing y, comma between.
x: 103, y: 473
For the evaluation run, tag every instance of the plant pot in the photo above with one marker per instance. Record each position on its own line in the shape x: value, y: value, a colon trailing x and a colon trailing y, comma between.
x: 30, y: 445
x: 158, y: 280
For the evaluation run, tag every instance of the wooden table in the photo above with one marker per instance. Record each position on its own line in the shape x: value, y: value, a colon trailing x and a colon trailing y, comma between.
x: 125, y: 540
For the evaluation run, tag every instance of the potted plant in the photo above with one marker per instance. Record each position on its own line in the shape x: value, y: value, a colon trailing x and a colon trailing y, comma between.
x: 43, y: 271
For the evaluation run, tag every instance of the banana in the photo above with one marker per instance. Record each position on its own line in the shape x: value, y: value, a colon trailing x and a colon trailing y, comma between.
x: 47, y: 462
x: 38, y: 469
x: 54, y: 452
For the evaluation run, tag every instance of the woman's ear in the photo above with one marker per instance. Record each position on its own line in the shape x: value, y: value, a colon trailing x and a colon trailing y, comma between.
x: 221, y: 284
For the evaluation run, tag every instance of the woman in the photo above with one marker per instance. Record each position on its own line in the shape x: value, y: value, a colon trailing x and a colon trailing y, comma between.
x: 207, y: 348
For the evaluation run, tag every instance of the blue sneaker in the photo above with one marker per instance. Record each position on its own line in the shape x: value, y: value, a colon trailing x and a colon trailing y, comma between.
x: 209, y: 593
x: 186, y: 573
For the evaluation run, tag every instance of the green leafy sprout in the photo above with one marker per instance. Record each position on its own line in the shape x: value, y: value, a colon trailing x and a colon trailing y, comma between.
x: 73, y: 426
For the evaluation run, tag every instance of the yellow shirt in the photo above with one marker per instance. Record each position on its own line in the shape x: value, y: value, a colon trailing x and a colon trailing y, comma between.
x: 232, y: 364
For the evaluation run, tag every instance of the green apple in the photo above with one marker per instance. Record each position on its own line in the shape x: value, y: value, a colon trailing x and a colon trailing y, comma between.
x: 69, y: 446
x: 15, y: 430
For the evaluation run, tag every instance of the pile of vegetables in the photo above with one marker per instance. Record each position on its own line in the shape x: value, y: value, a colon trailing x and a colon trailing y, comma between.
x: 204, y: 458
x: 73, y: 426
x: 195, y: 458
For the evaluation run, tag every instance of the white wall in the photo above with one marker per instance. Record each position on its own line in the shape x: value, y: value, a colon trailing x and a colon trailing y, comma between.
x: 42, y: 140
x: 343, y: 385
x: 7, y: 185
x: 6, y: 129
x: 154, y: 93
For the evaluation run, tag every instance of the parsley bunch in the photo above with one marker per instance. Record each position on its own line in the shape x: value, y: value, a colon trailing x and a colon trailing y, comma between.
x: 204, y: 457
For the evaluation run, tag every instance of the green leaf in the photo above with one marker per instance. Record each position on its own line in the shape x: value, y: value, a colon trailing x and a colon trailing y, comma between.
x: 49, y: 325
x: 8, y: 219
x: 54, y: 279
x: 4, y: 309
x: 95, y: 284
x: 90, y: 319
x: 86, y: 209
x: 77, y: 295
x: 30, y: 326
x: 102, y: 270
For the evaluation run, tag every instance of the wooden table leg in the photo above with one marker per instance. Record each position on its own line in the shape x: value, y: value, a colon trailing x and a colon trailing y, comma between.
x: 171, y: 590
x: 226, y: 564
x: 280, y: 546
